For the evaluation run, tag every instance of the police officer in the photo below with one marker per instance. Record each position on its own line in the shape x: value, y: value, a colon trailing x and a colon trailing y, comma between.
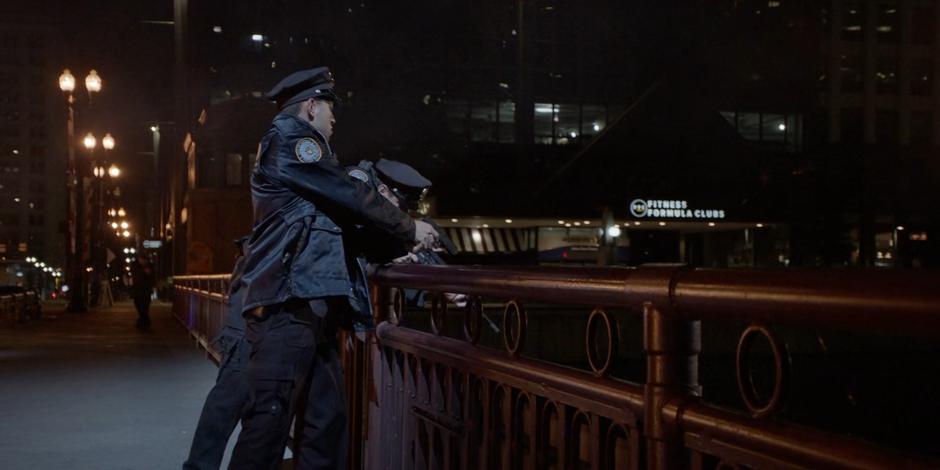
x: 226, y: 400
x: 300, y: 283
x: 405, y: 187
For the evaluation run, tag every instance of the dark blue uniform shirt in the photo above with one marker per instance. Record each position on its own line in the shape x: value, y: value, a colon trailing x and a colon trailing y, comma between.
x: 303, y: 200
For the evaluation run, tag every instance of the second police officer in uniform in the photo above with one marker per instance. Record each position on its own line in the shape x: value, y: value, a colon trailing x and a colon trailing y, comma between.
x: 397, y: 182
x: 299, y: 283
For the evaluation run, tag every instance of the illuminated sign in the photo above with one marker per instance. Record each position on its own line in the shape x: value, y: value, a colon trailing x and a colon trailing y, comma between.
x: 671, y: 209
x: 152, y: 244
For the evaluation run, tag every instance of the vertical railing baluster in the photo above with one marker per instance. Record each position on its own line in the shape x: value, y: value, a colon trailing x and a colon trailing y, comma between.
x: 672, y: 346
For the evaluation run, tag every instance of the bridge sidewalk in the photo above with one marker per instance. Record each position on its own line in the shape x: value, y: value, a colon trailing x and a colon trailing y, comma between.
x: 90, y: 391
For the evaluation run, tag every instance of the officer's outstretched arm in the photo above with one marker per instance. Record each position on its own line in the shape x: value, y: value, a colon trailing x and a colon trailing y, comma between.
x: 326, y: 180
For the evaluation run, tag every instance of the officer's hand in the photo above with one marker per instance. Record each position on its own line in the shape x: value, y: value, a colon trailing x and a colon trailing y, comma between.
x: 407, y: 259
x: 425, y: 235
x: 459, y: 299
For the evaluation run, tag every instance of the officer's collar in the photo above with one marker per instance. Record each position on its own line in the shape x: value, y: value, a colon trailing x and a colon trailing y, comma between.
x: 307, y: 128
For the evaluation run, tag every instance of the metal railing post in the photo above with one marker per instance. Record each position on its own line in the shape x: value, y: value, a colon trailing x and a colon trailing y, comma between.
x: 672, y: 346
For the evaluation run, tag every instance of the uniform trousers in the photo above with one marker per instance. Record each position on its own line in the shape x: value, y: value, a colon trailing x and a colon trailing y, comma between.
x: 224, y: 406
x: 294, y: 364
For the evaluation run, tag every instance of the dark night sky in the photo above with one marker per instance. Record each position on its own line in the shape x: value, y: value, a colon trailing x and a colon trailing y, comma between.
x: 134, y: 58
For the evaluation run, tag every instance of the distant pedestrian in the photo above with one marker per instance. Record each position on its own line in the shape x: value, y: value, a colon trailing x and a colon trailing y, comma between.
x: 142, y: 278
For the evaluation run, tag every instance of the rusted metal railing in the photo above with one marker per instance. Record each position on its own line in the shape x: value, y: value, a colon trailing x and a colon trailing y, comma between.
x: 425, y: 400
x: 447, y: 403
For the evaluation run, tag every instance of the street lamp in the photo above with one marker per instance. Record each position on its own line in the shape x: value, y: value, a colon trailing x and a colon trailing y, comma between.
x: 114, y: 171
x: 67, y: 81
x: 90, y: 142
x: 107, y: 142
x: 93, y: 82
x: 75, y: 203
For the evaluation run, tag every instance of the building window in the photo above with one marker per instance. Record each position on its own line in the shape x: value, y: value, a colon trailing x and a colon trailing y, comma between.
x: 557, y: 124
x: 749, y: 126
x: 853, y: 17
x: 887, y: 23
x: 779, y: 130
x: 567, y: 129
x: 507, y: 122
x: 544, y: 122
x: 593, y: 120
x: 886, y: 76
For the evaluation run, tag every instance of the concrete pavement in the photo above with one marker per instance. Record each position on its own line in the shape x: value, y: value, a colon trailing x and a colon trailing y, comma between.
x: 90, y: 391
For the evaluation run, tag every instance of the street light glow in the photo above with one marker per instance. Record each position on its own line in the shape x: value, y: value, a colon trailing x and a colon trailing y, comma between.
x: 614, y: 231
x: 107, y: 141
x: 126, y: 234
x: 67, y: 81
x: 124, y: 225
x: 257, y: 37
x: 114, y: 171
x: 153, y: 128
x: 121, y: 212
x: 114, y: 225
x: 90, y: 142
x: 93, y: 82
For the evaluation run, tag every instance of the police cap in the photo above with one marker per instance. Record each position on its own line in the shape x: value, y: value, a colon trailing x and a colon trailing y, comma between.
x: 408, y: 185
x: 314, y: 83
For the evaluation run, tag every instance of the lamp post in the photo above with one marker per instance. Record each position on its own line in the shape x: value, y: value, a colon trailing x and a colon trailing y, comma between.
x: 99, y: 252
x: 75, y: 183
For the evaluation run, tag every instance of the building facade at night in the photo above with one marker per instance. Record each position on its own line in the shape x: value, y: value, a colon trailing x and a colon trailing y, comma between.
x: 32, y: 163
x: 819, y: 128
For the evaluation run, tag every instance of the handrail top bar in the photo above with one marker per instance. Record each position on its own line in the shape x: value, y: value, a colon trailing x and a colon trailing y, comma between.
x: 202, y: 277
x: 902, y: 302
x: 896, y: 302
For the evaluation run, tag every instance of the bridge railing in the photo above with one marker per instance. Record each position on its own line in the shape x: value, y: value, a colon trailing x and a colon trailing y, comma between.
x: 442, y: 399
x: 199, y: 303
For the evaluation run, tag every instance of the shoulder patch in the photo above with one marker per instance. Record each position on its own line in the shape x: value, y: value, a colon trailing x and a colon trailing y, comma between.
x: 308, y: 150
x: 359, y: 175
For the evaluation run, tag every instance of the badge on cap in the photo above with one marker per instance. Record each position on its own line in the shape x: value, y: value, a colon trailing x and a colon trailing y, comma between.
x: 359, y: 175
x: 308, y: 150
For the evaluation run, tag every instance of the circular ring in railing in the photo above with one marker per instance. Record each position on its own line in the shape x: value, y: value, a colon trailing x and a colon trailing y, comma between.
x: 438, y: 312
x: 600, y: 318
x: 618, y: 450
x: 514, y: 327
x: 398, y: 306
x: 746, y: 386
x: 473, y: 319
